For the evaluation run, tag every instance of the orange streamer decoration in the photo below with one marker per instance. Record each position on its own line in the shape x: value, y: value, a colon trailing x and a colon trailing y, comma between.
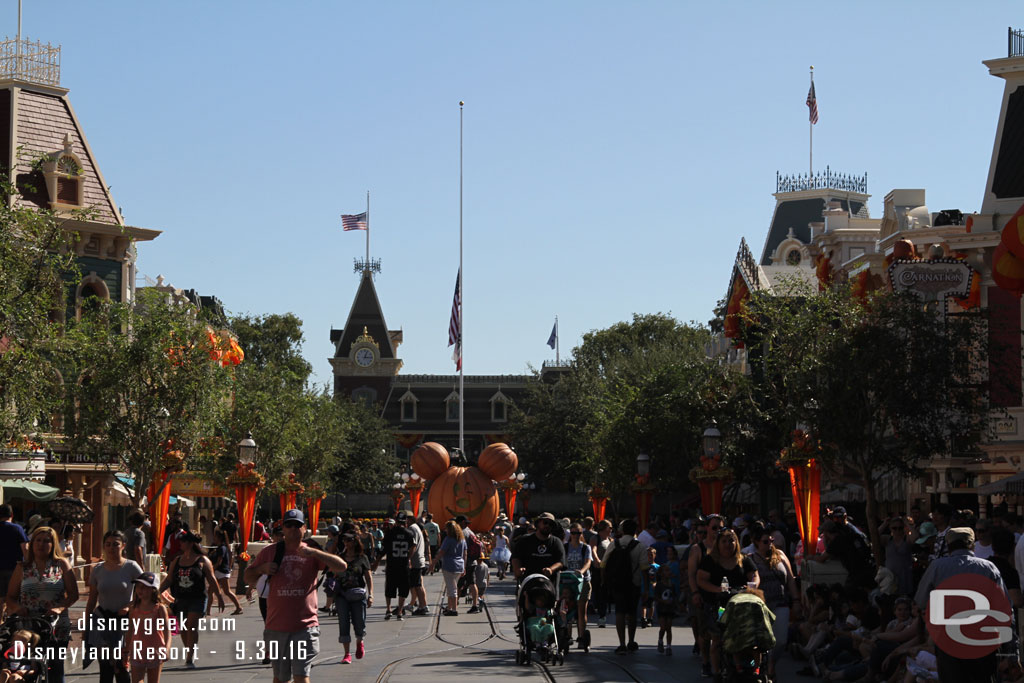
x: 599, y: 507
x: 313, y: 512
x: 158, y: 505
x: 510, y: 502
x: 805, y: 480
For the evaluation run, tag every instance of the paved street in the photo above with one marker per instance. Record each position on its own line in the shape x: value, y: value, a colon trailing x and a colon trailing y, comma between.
x: 434, y: 648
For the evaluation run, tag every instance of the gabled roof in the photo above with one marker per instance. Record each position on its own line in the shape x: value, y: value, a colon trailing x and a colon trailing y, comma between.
x: 366, y: 313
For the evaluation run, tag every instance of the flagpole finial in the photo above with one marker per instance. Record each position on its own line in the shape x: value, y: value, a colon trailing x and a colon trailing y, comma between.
x: 461, y: 103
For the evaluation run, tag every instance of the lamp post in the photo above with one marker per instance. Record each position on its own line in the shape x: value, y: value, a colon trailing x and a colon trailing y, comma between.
x: 247, y: 482
x: 511, y: 488
x: 643, y: 490
x: 710, y: 476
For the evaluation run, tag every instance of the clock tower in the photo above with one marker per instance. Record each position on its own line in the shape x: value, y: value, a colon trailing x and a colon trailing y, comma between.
x: 365, y: 357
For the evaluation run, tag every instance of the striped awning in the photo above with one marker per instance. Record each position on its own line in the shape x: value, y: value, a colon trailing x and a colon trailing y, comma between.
x: 213, y: 503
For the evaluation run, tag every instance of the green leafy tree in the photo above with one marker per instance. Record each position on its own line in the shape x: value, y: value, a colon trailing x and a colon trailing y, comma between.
x: 882, y: 384
x: 36, y: 270
x: 144, y: 383
x: 367, y: 451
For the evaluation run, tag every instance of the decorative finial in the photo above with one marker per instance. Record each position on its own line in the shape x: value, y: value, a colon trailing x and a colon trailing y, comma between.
x: 461, y: 103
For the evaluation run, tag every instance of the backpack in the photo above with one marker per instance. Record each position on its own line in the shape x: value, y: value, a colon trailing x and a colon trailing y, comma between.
x: 618, y: 567
x: 474, y: 548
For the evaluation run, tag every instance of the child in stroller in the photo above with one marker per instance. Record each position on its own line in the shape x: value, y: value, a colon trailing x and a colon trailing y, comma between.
x: 570, y: 587
x: 18, y: 643
x: 747, y: 639
x: 535, y: 609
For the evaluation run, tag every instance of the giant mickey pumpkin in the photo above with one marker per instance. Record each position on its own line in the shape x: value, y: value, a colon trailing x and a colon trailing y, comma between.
x: 465, y: 491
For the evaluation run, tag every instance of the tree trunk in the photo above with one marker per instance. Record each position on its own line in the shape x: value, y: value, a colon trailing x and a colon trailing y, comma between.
x: 871, y: 513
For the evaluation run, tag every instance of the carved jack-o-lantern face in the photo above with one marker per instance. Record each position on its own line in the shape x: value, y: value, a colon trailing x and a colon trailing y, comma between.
x: 464, y: 491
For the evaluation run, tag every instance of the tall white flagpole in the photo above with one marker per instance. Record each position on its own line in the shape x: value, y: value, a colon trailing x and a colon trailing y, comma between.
x: 810, y: 126
x: 462, y: 298
x: 367, y: 230
x: 557, y: 342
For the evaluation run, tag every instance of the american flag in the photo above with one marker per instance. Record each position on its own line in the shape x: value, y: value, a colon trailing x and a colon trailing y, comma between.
x: 455, y: 324
x: 356, y: 222
x: 812, y: 104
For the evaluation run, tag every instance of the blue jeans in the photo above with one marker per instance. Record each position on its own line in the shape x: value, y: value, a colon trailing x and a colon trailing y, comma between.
x: 350, y: 612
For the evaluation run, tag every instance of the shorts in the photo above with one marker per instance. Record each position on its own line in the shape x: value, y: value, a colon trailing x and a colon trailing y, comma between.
x: 585, y: 591
x: 221, y: 575
x: 295, y: 651
x: 433, y: 550
x: 626, y: 601
x: 666, y: 611
x: 140, y: 664
x: 5, y: 579
x: 184, y: 606
x: 396, y: 582
x: 415, y: 577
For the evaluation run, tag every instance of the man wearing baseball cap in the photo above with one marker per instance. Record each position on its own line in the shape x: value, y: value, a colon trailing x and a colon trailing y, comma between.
x: 960, y: 561
x: 542, y: 552
x: 292, y: 567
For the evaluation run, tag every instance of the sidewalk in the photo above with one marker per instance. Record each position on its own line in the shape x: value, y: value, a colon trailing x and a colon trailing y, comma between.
x: 434, y: 648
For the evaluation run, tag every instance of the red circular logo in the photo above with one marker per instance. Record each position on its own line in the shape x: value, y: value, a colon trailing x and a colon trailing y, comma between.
x: 969, y: 616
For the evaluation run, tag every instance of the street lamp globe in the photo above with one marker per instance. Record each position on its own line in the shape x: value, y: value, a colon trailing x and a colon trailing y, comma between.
x: 247, y: 450
x: 520, y: 476
x: 643, y: 464
x: 712, y: 440
x: 405, y: 476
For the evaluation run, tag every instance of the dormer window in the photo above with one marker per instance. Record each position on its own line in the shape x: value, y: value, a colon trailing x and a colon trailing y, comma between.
x: 408, y: 403
x: 63, y: 173
x: 499, y: 407
x: 451, y: 410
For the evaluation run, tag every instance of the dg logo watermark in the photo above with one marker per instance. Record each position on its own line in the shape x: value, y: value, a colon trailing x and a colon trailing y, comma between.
x: 969, y: 616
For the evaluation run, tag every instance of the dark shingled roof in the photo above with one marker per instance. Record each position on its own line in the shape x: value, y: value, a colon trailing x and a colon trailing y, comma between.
x: 1008, y: 180
x: 796, y: 214
x: 42, y: 121
x: 366, y: 313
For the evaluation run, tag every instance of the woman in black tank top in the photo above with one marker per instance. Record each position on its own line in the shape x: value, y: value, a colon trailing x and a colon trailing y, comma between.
x: 188, y: 578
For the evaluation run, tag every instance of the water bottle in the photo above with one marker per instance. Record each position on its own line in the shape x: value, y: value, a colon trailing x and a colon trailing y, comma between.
x: 725, y: 585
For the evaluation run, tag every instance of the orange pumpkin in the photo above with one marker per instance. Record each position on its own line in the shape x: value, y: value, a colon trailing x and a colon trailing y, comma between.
x: 1013, y: 234
x: 903, y: 249
x: 498, y: 461
x: 1007, y: 270
x: 464, y: 491
x: 430, y: 460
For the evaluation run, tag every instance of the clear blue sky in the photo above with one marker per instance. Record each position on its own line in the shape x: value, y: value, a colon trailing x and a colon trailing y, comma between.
x: 615, y: 152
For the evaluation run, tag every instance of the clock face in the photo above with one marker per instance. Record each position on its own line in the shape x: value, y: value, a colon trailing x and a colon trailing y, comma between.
x: 364, y: 357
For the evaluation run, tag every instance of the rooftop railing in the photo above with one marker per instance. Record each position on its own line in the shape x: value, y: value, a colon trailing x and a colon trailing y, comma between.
x: 1015, y: 42
x: 823, y: 180
x: 24, y: 60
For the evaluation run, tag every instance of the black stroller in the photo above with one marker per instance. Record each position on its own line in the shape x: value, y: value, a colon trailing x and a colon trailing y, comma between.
x: 535, y: 611
x: 34, y: 669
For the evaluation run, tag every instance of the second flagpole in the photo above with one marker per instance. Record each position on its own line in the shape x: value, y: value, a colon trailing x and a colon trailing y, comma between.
x: 462, y: 298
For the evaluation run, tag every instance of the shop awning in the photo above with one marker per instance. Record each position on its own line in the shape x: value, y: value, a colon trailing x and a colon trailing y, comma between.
x: 130, y: 483
x: 1013, y: 484
x: 31, y: 490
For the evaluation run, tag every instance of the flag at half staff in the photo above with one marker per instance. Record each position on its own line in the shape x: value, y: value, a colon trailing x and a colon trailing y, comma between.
x: 354, y: 222
x: 455, y: 324
x: 812, y: 104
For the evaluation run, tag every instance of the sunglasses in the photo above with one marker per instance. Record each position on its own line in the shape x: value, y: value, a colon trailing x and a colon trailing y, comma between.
x: 765, y: 541
x: 291, y: 524
x: 713, y: 528
x: 702, y: 532
x: 896, y: 528
x: 575, y: 533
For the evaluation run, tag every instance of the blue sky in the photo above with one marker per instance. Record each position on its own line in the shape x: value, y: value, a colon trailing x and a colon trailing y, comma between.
x: 615, y: 152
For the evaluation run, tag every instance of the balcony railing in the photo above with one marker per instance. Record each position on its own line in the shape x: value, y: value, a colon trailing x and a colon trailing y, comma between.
x: 24, y: 60
x: 1015, y: 42
x: 823, y: 180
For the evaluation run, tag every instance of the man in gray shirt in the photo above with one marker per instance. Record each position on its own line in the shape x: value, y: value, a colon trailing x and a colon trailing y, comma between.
x: 419, y: 560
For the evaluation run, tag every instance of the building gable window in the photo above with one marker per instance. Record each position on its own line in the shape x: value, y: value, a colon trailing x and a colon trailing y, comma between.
x: 91, y: 290
x: 63, y: 173
x: 408, y: 403
x: 499, y: 407
x: 451, y: 410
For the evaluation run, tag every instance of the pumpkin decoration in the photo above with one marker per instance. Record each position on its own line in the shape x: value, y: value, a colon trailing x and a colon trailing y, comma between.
x: 904, y: 250
x: 498, y: 460
x: 1013, y: 234
x: 430, y: 460
x: 1007, y: 270
x: 467, y: 491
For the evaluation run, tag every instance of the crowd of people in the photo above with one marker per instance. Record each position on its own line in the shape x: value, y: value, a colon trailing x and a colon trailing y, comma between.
x: 847, y: 609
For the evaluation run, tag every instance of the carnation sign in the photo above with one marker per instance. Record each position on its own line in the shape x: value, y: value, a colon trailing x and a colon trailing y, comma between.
x: 931, y: 280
